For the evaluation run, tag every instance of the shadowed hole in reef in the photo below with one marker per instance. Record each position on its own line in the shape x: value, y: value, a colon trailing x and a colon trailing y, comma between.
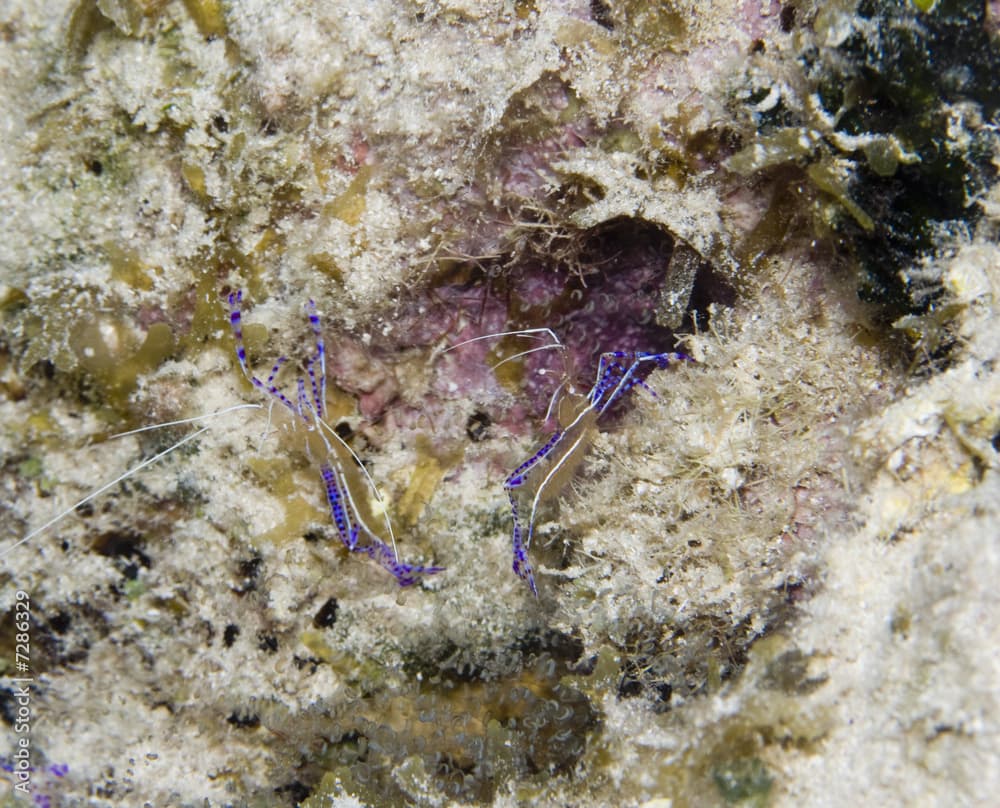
x: 626, y: 284
x: 125, y: 547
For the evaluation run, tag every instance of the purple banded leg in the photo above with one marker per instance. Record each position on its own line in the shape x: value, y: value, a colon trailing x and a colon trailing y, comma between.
x: 521, y: 565
x: 272, y: 390
x: 318, y: 386
x: 374, y: 548
x: 613, y: 376
x: 274, y: 370
x: 340, y: 516
x: 405, y: 574
x: 317, y: 404
x: 517, y: 476
x: 608, y: 377
x: 236, y: 323
x: 618, y: 387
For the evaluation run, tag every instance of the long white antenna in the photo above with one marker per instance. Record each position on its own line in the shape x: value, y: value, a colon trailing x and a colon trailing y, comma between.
x: 106, y: 486
x: 193, y: 420
x: 530, y: 333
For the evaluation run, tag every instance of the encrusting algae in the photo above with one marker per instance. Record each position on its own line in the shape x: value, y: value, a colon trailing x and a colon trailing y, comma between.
x: 762, y: 561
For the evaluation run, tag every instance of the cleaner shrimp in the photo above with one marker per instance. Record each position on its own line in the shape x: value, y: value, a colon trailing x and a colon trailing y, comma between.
x: 346, y: 481
x: 547, y: 472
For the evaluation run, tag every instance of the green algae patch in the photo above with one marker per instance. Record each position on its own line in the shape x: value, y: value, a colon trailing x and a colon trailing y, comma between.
x: 315, y: 640
x: 350, y: 205
x: 788, y: 145
x: 208, y: 15
x: 658, y: 24
x: 744, y: 781
x: 134, y: 589
x: 129, y: 268
x: 103, y: 348
x: 12, y: 297
x: 299, y: 515
x: 125, y: 14
x: 432, y: 464
x: 127, y: 18
x: 424, y: 480
x: 34, y: 469
x: 84, y: 22
x: 210, y: 319
x: 827, y: 179
x: 326, y: 264
x: 194, y: 176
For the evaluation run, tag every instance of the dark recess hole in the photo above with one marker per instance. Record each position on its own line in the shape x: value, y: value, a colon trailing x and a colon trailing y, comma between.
x: 248, y: 570
x: 8, y: 706
x: 242, y: 720
x: 787, y: 18
x: 477, y: 425
x: 230, y: 634
x: 600, y: 12
x: 327, y: 615
x: 294, y: 792
x: 60, y: 622
x: 125, y: 545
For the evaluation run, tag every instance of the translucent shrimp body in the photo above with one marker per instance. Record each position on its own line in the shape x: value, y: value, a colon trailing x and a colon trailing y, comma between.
x: 544, y: 475
x: 338, y: 464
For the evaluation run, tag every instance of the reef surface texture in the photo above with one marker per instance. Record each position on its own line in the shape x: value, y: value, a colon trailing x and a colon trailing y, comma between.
x: 768, y: 575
